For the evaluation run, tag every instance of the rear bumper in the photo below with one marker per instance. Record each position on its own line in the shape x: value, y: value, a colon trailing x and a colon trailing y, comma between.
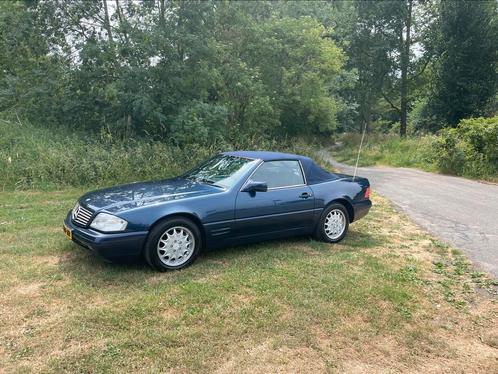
x: 109, y: 246
x: 361, y: 209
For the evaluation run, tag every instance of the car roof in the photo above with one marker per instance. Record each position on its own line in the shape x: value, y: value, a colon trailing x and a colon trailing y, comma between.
x: 313, y: 172
x: 266, y: 155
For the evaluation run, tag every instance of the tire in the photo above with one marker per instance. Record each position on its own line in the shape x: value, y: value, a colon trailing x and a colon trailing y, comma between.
x: 330, y: 233
x: 173, y: 244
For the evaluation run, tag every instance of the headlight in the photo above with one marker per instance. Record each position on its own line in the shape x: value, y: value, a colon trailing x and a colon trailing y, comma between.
x: 108, y: 222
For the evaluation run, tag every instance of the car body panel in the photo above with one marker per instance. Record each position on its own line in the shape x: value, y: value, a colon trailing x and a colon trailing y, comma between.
x: 108, y: 246
x: 142, y: 194
x: 204, y: 208
x: 275, y: 210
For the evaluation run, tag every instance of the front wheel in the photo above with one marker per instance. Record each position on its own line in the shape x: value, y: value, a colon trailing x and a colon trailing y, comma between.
x: 333, y: 224
x: 173, y: 244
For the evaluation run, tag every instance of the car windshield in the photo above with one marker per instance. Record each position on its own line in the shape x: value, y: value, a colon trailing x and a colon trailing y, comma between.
x: 221, y: 171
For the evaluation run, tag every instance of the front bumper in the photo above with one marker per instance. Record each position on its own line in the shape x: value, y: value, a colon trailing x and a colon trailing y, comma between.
x: 109, y: 246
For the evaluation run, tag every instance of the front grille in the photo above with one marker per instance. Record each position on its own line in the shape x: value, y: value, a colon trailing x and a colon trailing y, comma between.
x: 81, y: 215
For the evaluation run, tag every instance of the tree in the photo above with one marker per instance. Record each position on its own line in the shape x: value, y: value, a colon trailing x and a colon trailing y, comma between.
x: 173, y: 70
x: 368, y: 56
x: 391, y: 48
x: 31, y: 77
x: 277, y: 71
x: 465, y: 73
x: 405, y: 43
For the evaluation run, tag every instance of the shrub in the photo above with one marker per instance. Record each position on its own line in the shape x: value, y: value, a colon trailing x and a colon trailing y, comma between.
x: 470, y: 149
x: 199, y: 121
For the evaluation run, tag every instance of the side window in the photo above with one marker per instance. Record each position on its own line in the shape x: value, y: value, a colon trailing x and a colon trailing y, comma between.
x: 279, y: 173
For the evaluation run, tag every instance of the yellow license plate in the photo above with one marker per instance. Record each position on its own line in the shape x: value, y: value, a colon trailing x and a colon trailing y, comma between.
x: 68, y: 232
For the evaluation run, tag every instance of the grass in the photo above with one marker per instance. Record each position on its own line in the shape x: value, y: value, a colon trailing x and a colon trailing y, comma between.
x: 388, y: 298
x: 422, y: 152
x: 385, y: 150
x: 34, y: 157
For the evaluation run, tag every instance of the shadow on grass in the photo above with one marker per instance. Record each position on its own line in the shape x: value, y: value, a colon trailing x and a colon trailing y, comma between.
x: 85, y: 266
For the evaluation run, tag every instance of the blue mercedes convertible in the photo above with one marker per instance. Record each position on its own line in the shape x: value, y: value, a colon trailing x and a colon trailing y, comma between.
x: 232, y: 198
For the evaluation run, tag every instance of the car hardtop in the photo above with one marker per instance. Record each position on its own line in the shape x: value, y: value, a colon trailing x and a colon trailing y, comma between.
x: 314, y: 174
x: 266, y: 155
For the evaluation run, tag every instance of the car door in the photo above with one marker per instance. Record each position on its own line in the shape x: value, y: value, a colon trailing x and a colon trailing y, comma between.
x: 286, y: 208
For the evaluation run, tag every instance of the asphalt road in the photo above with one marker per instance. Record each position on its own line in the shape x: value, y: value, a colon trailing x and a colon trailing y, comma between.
x: 458, y: 211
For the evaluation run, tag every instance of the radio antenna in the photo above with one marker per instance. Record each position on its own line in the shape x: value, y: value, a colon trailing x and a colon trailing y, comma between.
x: 359, y: 150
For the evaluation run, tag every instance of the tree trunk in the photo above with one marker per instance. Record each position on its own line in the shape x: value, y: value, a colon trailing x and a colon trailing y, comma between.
x: 405, y: 60
x: 162, y: 8
x: 122, y: 26
x: 179, y: 26
x: 107, y: 22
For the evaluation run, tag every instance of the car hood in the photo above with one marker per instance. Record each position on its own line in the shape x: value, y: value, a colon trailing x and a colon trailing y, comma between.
x: 134, y: 195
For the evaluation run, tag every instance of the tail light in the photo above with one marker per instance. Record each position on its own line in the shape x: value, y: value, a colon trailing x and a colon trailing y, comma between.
x: 367, y: 192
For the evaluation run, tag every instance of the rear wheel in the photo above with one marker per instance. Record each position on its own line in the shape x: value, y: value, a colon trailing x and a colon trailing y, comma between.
x: 333, y: 224
x: 173, y: 244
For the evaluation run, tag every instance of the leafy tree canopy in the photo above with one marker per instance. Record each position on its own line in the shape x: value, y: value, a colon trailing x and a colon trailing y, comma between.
x: 196, y: 71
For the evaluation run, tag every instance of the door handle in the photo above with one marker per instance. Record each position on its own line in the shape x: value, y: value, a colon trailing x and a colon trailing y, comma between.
x: 305, y: 195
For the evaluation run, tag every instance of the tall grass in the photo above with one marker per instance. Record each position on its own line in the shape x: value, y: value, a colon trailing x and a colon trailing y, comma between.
x: 388, y: 150
x: 42, y: 158
x: 470, y: 150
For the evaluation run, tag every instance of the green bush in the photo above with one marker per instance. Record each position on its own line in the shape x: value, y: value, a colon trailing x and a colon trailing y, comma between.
x: 470, y: 149
x: 199, y: 121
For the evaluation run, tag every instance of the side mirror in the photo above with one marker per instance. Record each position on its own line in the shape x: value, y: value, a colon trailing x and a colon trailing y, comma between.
x: 253, y: 186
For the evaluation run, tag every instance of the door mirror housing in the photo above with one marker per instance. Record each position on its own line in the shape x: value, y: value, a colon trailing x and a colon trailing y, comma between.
x: 253, y: 186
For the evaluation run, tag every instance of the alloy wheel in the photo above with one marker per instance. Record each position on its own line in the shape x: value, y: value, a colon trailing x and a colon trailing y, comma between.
x: 335, y: 224
x: 175, y: 246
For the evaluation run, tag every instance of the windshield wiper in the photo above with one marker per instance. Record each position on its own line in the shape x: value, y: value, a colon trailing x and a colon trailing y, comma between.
x: 208, y: 181
x: 205, y: 180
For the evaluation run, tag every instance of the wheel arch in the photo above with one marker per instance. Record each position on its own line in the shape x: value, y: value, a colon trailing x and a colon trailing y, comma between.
x: 190, y: 216
x: 347, y: 204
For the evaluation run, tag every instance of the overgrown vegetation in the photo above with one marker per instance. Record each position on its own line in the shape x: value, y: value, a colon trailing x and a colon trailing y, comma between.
x: 469, y: 150
x: 386, y: 150
x: 36, y: 158
x: 465, y: 75
x: 387, y: 297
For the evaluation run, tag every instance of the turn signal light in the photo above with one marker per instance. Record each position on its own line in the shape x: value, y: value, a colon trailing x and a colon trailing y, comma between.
x: 367, y: 192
